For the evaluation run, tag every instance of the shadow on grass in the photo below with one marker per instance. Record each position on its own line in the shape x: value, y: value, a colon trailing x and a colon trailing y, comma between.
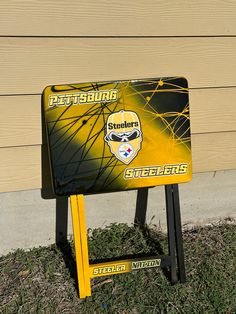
x: 156, y: 250
x: 69, y: 260
x: 155, y: 247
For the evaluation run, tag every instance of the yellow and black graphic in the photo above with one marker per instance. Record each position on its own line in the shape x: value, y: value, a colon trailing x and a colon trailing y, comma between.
x: 119, y: 135
x: 125, y: 266
x: 124, y: 135
x: 154, y: 171
x: 82, y: 98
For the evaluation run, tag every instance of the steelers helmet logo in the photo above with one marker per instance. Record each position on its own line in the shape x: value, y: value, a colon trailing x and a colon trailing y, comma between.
x: 126, y: 151
x: 124, y: 135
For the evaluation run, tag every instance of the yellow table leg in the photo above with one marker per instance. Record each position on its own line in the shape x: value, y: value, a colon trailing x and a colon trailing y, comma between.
x: 81, y: 244
x: 84, y: 241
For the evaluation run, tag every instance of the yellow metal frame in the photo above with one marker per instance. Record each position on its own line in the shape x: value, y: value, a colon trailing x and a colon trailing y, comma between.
x: 85, y: 271
x: 81, y: 244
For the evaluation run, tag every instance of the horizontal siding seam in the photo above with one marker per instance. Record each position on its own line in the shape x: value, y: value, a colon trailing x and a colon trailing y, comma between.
x: 190, y: 88
x: 117, y: 36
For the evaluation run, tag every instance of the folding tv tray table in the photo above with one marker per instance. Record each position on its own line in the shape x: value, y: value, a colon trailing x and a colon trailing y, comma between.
x: 118, y: 136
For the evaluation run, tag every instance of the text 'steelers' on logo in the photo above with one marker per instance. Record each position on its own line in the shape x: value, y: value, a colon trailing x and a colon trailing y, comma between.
x: 124, y: 135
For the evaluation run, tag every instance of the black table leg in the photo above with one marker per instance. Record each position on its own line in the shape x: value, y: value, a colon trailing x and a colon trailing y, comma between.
x: 171, y: 232
x: 178, y: 234
x: 141, y: 207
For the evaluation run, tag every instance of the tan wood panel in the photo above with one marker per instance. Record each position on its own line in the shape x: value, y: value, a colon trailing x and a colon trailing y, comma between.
x: 117, y: 18
x: 20, y: 120
x: 212, y: 110
x: 20, y: 167
x: 214, y: 151
x: 29, y: 64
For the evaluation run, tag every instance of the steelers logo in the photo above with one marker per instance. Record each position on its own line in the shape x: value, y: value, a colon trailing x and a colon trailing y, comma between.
x: 124, y: 135
x: 126, y: 151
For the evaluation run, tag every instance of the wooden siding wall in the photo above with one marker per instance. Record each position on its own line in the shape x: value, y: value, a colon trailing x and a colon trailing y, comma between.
x: 53, y: 42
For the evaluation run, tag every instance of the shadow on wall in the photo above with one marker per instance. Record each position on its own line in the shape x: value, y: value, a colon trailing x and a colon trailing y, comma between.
x: 47, y: 188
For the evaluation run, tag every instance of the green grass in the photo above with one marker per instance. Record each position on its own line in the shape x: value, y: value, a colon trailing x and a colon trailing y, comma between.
x: 42, y: 280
